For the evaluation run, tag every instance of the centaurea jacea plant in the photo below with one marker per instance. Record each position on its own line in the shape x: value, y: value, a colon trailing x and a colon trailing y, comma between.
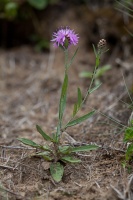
x: 55, y: 152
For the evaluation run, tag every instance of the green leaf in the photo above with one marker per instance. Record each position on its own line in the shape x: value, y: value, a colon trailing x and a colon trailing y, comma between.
x: 38, y: 4
x: 80, y: 119
x: 102, y: 70
x: 88, y: 147
x: 86, y: 74
x: 79, y: 97
x: 55, y: 136
x: 73, y: 57
x: 46, y: 148
x: 29, y: 142
x: 129, y: 152
x: 94, y: 49
x: 56, y: 170
x: 75, y: 108
x: 45, y: 155
x: 128, y: 134
x: 97, y: 61
x: 62, y: 104
x: 78, y: 104
x: 65, y: 149
x: 70, y: 159
x: 44, y: 135
x: 95, y: 88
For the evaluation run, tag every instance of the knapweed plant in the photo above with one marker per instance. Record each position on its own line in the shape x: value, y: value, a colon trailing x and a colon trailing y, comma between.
x: 55, y: 152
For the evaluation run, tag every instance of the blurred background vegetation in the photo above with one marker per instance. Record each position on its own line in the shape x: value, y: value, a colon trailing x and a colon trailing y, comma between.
x: 31, y: 21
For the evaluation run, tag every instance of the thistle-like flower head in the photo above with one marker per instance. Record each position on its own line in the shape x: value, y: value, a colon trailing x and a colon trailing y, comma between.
x: 65, y: 37
x: 101, y: 44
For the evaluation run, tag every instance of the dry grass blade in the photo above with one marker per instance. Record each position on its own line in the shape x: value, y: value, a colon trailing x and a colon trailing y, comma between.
x: 127, y: 194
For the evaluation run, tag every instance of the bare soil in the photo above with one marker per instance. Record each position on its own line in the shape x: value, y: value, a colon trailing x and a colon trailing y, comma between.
x: 30, y: 88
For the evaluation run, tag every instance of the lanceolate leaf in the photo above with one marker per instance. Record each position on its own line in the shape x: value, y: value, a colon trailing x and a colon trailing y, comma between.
x: 70, y: 159
x: 73, y: 57
x: 75, y: 109
x: 46, y: 148
x: 102, y: 70
x: 29, y: 142
x: 62, y: 104
x: 44, y: 135
x: 79, y: 97
x: 65, y: 149
x: 78, y: 104
x: 80, y: 119
x: 56, y: 170
x: 93, y: 89
x: 45, y: 155
x: 85, y: 74
x: 88, y: 147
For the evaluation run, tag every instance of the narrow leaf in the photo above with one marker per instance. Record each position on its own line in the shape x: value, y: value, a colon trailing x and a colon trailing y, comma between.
x: 93, y: 89
x: 102, y: 70
x: 70, y: 159
x: 55, y: 136
x: 56, y: 170
x: 62, y: 104
x: 45, y: 155
x: 46, y: 148
x: 88, y: 147
x: 79, y: 97
x: 73, y: 57
x: 86, y: 74
x: 80, y: 119
x: 65, y: 149
x: 29, y: 142
x: 44, y: 135
x: 97, y: 61
x: 94, y: 49
x: 75, y: 108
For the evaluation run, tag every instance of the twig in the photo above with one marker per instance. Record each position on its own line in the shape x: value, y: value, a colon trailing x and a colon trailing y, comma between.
x: 7, y: 167
x: 22, y: 164
x: 111, y: 148
x: 9, y: 191
x: 16, y: 147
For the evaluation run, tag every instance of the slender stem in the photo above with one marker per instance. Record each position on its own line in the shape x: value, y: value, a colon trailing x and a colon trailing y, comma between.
x: 66, y: 60
x: 95, y: 70
x: 87, y: 93
x: 59, y: 127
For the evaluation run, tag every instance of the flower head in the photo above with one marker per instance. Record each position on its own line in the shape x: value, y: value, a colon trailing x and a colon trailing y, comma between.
x: 101, y: 44
x: 65, y: 37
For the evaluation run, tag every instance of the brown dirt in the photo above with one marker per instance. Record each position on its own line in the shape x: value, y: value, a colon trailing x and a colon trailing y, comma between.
x: 30, y: 87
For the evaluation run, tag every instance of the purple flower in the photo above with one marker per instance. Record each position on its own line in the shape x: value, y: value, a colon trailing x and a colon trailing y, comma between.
x: 65, y: 37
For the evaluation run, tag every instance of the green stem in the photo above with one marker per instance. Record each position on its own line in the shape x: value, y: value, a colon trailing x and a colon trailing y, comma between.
x: 95, y: 70
x: 90, y: 87
x: 66, y: 60
x: 59, y: 127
